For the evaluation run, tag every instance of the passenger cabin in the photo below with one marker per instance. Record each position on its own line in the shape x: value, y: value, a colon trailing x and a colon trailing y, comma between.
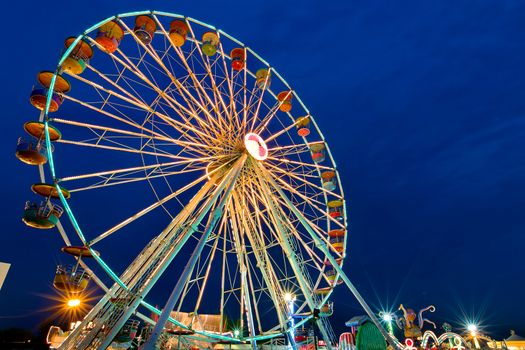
x: 303, y: 126
x: 178, y: 32
x: 128, y: 332
x: 33, y: 151
x: 71, y: 279
x: 327, y: 309
x: 109, y: 36
x: 145, y: 28
x: 263, y: 78
x: 318, y: 152
x: 238, y: 56
x: 38, y: 97
x: 43, y: 215
x: 329, y: 180
x: 46, y: 214
x: 210, y: 43
x: 335, y: 209
x: 337, y: 239
x: 75, y: 62
x: 285, y: 99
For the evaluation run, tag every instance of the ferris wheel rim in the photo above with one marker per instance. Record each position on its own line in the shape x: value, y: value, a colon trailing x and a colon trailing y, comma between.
x: 45, y: 118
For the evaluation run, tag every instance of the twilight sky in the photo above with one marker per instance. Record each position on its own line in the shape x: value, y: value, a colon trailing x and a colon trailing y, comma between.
x: 422, y: 104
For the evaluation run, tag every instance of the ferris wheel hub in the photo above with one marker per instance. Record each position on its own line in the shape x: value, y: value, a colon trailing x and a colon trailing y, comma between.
x: 256, y: 146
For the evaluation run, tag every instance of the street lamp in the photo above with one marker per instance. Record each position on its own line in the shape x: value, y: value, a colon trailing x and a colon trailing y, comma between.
x: 73, y: 302
x: 387, y: 317
x: 290, y: 299
x: 473, y: 329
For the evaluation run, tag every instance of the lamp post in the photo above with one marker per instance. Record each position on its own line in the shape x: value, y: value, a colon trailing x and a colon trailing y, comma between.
x: 387, y: 318
x: 290, y: 301
x: 473, y: 329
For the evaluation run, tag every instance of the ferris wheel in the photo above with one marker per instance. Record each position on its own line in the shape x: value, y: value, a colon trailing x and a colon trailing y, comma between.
x: 162, y: 132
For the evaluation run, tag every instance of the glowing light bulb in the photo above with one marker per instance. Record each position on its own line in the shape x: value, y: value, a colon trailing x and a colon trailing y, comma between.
x: 73, y: 302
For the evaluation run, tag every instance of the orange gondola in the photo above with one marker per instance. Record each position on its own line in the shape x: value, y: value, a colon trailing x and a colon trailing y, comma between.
x: 145, y: 28
x: 38, y: 97
x: 33, y: 151
x: 109, y: 36
x: 178, y: 32
x: 327, y: 309
x: 49, y: 191
x: 71, y: 279
x: 238, y: 56
x: 303, y: 126
x: 285, y: 97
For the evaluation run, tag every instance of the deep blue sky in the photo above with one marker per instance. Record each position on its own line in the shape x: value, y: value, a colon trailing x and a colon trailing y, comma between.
x: 422, y: 103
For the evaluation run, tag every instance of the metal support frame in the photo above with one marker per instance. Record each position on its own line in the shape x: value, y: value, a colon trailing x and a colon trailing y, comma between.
x: 188, y: 270
x: 290, y: 253
x: 320, y: 244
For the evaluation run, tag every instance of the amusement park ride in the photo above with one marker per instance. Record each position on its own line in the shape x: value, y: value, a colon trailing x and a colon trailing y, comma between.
x: 243, y: 185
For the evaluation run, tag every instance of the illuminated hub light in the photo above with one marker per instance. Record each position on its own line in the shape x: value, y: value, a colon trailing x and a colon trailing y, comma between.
x: 256, y: 146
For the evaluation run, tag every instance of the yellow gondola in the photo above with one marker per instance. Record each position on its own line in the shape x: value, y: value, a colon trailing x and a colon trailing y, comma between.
x: 263, y: 78
x: 335, y: 209
x: 210, y: 43
x: 76, y: 62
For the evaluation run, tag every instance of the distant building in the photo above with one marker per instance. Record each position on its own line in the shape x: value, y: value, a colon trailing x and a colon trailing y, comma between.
x: 4, y: 267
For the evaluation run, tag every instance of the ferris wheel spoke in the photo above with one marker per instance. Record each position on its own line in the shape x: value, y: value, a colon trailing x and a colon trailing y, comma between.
x: 271, y: 114
x: 195, y: 147
x: 107, y: 129
x: 303, y: 180
x: 133, y: 170
x: 179, y: 126
x: 265, y: 267
x: 306, y: 223
x: 295, y: 149
x: 152, y: 207
x: 216, y: 93
x: 279, y: 221
x: 311, y: 202
x: 290, y: 161
x: 119, y: 181
x: 115, y: 148
x: 234, y: 120
x: 206, y: 65
x: 208, y: 268
x: 283, y: 131
x: 303, y: 243
x: 183, y: 91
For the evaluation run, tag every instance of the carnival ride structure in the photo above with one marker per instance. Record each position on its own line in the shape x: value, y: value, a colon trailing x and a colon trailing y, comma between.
x: 208, y: 138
